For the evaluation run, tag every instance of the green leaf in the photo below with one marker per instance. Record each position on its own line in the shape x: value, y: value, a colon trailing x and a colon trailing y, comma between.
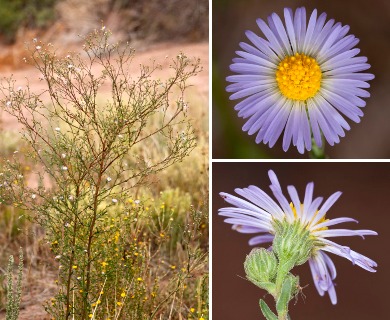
x: 268, y: 314
x: 285, y: 296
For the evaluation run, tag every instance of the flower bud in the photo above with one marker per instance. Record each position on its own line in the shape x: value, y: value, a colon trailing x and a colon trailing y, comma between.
x: 261, y: 267
x: 292, y: 242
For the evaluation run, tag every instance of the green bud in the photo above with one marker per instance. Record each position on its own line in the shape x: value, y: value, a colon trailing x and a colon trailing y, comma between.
x: 261, y: 268
x: 292, y: 243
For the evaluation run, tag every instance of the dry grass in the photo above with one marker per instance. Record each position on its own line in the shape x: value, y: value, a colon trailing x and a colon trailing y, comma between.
x: 179, y: 186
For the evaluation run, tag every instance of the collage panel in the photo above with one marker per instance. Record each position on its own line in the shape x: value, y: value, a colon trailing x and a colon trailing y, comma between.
x: 104, y: 159
x: 257, y: 229
x: 300, y: 79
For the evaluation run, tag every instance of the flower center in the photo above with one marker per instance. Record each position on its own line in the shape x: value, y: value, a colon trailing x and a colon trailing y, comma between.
x: 299, y: 77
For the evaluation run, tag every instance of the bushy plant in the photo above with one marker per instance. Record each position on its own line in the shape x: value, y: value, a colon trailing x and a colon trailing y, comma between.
x: 90, y: 160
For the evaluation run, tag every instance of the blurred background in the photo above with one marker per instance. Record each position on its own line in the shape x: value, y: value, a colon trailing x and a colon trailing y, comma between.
x: 369, y: 21
x: 361, y: 294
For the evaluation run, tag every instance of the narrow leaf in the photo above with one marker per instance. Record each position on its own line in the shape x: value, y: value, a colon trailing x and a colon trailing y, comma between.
x: 268, y: 314
x: 285, y: 295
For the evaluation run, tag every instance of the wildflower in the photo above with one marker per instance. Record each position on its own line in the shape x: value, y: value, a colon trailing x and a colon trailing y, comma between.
x: 123, y: 294
x: 136, y: 201
x: 74, y: 267
x: 57, y: 129
x: 64, y: 168
x: 33, y: 196
x: 38, y: 47
x: 8, y: 103
x: 119, y: 303
x: 139, y: 279
x: 108, y: 179
x: 303, y: 79
x: 114, y: 200
x: 63, y: 155
x: 259, y: 213
x: 192, y: 310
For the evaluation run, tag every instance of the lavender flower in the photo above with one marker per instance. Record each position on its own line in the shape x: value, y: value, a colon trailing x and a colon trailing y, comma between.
x: 304, y: 78
x: 259, y: 213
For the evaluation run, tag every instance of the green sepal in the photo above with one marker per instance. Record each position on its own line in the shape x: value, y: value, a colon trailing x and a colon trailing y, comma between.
x: 285, y: 295
x: 268, y: 314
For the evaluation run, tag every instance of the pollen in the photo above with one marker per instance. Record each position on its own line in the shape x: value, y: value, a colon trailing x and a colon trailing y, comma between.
x: 299, y: 77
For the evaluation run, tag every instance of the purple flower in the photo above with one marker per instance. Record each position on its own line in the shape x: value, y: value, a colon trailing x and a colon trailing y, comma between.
x: 257, y: 213
x: 303, y: 78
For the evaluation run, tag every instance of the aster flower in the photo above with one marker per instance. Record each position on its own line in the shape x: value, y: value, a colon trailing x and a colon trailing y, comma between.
x: 259, y: 213
x: 303, y: 78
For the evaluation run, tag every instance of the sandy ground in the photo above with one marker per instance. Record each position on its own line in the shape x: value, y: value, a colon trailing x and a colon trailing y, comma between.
x: 156, y: 53
x: 34, y: 296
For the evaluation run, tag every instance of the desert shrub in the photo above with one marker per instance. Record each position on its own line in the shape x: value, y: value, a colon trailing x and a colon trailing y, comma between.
x: 119, y: 255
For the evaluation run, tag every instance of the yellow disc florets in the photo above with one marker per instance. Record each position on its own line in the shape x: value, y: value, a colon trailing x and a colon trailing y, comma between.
x: 299, y: 77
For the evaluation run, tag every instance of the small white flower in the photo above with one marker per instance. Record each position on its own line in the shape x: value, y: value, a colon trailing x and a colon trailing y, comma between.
x: 70, y: 66
x: 63, y: 155
x: 8, y: 104
x: 114, y: 200
x: 78, y: 278
x: 57, y: 257
x: 19, y: 89
x: 57, y: 129
x: 67, y: 225
x: 33, y: 196
x: 38, y: 47
x: 64, y: 168
x: 120, y: 136
x: 68, y: 56
x: 108, y: 179
x: 70, y: 198
x: 136, y: 201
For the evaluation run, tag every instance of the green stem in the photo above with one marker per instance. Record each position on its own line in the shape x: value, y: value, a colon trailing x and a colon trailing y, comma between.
x: 316, y: 151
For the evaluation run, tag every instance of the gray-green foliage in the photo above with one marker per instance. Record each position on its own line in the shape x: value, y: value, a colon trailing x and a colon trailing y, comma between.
x: 14, y: 292
x: 93, y: 151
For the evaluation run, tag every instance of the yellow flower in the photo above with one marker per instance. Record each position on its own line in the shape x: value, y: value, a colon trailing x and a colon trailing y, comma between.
x: 119, y: 303
x: 74, y: 267
x: 123, y: 294
x: 192, y: 310
x: 90, y: 315
x: 139, y: 279
x: 104, y: 264
x: 173, y: 267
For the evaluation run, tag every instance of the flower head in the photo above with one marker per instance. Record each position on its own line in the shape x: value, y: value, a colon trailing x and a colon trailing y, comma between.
x: 259, y: 213
x: 303, y: 78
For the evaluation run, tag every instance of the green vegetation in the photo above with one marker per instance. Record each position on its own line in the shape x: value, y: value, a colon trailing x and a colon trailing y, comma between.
x: 16, y: 14
x: 119, y: 184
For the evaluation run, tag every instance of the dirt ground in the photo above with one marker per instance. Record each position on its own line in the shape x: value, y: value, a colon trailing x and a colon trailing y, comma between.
x: 40, y: 284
